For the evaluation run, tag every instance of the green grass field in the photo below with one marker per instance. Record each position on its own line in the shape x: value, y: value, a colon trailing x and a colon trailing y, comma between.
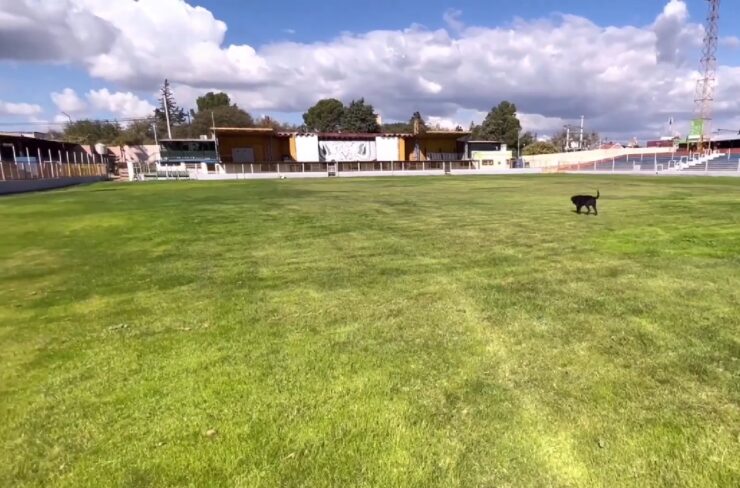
x: 390, y: 332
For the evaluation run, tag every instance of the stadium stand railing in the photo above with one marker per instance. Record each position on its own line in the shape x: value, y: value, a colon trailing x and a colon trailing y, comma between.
x: 48, y: 170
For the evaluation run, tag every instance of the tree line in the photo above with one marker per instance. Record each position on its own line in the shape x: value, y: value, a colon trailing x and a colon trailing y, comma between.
x: 328, y: 115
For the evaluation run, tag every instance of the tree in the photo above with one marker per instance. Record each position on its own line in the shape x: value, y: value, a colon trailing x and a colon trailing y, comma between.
x: 91, y: 132
x: 590, y: 139
x: 223, y: 116
x: 212, y: 100
x: 540, y: 147
x: 136, y: 133
x: 397, y: 128
x: 418, y: 126
x: 525, y: 140
x: 325, y: 116
x: 268, y: 122
x: 177, y: 115
x: 501, y: 124
x: 360, y: 117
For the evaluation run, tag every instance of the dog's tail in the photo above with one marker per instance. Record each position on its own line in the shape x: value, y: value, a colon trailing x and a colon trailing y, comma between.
x: 597, y: 194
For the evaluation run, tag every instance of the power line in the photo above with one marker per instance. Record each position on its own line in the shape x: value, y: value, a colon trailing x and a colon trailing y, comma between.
x: 102, y: 121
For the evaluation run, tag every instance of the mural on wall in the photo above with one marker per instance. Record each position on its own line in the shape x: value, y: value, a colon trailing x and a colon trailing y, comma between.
x: 347, y: 150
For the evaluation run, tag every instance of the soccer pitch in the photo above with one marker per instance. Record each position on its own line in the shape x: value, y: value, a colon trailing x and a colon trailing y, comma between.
x: 396, y: 332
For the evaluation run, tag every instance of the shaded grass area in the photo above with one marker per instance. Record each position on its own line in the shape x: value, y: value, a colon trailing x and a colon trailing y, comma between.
x: 389, y: 332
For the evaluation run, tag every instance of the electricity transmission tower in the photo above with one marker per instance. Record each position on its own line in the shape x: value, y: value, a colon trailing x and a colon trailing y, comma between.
x: 704, y: 98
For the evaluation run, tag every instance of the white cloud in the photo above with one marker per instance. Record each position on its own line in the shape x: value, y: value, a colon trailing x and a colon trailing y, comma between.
x: 453, y: 19
x: 624, y: 79
x: 537, y: 123
x: 673, y: 34
x: 68, y: 101
x: 124, y: 104
x: 55, y: 30
x: 19, y: 109
x: 60, y: 119
x: 732, y: 42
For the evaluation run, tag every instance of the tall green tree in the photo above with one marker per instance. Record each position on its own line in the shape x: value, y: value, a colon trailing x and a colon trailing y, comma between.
x: 91, y: 132
x: 360, y: 117
x: 325, y: 116
x: 223, y: 116
x: 212, y: 100
x: 501, y: 124
x: 177, y: 114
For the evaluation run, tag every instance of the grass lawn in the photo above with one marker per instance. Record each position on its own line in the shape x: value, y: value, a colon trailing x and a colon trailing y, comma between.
x: 381, y: 332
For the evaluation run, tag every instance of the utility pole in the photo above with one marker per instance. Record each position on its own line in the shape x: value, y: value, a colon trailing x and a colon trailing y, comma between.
x: 167, y: 116
x: 580, y: 142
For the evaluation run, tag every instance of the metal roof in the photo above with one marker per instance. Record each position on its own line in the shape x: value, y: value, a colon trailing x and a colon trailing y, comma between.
x: 725, y: 137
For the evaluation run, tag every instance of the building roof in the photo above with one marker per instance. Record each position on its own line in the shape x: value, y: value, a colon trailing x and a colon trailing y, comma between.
x: 245, y: 130
x: 445, y: 134
x: 337, y: 135
x: 355, y: 135
x: 728, y: 136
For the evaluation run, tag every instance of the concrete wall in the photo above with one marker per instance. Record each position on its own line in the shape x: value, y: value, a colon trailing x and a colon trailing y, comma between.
x: 148, y: 153
x: 550, y: 160
x: 23, y: 186
x: 387, y: 148
x: 307, y: 148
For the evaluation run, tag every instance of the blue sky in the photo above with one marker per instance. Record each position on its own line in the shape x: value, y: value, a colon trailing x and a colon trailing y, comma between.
x: 123, y: 84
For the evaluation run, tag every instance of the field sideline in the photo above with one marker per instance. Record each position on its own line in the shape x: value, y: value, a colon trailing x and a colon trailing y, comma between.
x: 396, y: 332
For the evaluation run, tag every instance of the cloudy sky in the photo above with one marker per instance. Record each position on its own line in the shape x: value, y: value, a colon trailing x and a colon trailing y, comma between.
x: 626, y: 66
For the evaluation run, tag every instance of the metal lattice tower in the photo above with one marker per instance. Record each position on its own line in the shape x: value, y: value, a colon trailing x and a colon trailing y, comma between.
x: 704, y: 98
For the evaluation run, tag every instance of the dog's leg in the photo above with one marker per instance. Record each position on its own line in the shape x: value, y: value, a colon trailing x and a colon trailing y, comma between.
x: 596, y: 212
x: 578, y: 209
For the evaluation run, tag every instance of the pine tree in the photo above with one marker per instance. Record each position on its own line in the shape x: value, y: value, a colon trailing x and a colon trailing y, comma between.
x: 176, y: 113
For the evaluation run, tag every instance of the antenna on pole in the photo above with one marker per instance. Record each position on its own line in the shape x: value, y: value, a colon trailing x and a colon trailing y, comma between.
x: 704, y: 99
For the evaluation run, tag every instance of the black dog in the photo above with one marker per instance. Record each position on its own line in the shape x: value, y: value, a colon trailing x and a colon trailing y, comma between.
x: 587, y: 201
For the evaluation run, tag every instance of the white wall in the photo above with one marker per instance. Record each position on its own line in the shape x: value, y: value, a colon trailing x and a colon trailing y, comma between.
x: 387, y: 148
x: 550, y: 160
x: 307, y: 148
x: 22, y: 186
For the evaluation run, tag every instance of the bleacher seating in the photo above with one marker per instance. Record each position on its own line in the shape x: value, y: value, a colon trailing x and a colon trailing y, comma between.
x: 721, y: 163
x: 657, y: 162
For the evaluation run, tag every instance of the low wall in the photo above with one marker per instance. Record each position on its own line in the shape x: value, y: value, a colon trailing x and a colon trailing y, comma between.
x: 353, y: 174
x: 23, y: 186
x: 552, y: 160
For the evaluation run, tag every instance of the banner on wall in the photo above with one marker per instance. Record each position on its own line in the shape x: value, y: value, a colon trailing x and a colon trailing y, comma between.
x: 347, y: 151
